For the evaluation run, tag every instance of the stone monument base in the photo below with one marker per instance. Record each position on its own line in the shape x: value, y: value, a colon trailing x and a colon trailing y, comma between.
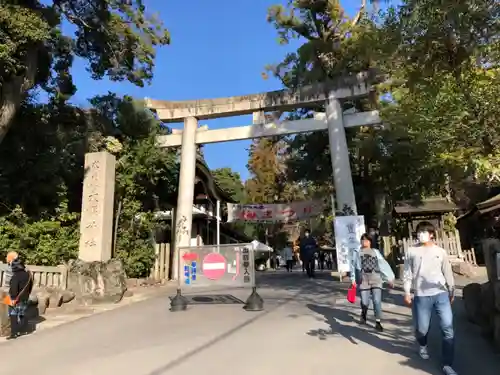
x: 482, y: 301
x: 97, y: 282
x: 4, y: 317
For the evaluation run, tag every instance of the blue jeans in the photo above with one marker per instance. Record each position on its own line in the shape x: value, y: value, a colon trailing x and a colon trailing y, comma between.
x: 376, y: 295
x: 422, y: 312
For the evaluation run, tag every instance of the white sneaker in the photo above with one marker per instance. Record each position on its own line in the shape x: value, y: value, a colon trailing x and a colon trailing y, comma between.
x: 424, y: 354
x: 448, y: 370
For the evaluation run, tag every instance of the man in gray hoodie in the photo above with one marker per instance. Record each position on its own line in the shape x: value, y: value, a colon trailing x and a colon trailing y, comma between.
x: 428, y: 273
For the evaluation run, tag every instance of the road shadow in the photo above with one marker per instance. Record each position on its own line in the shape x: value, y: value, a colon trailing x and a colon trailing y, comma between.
x: 392, y: 340
x: 322, y: 283
x: 393, y: 296
x: 276, y: 282
x: 33, y: 317
x: 474, y: 354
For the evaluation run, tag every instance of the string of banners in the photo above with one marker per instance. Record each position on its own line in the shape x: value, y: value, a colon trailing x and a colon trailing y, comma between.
x: 279, y: 212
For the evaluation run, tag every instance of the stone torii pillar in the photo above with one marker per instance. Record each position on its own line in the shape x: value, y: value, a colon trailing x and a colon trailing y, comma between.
x: 342, y: 176
x: 185, y: 195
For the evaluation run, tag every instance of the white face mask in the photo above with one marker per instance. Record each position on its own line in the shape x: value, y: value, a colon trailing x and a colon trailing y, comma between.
x: 423, y: 237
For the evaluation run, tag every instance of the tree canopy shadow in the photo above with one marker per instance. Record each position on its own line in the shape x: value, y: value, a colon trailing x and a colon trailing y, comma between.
x: 393, y: 340
x: 321, y: 284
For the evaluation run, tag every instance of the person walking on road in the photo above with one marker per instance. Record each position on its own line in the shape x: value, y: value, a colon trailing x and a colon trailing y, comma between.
x: 288, y: 255
x: 308, y: 248
x: 369, y: 271
x: 322, y: 260
x: 428, y: 274
x: 328, y: 260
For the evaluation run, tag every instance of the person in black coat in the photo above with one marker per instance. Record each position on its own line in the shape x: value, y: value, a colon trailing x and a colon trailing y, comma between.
x: 308, y: 249
x: 20, y: 288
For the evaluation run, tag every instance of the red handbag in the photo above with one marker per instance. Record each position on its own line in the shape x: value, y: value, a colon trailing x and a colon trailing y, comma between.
x: 351, y: 294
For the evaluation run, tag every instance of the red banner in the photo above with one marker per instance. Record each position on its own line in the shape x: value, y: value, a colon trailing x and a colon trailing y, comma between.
x: 281, y: 212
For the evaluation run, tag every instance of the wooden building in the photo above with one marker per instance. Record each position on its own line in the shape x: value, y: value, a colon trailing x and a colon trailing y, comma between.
x: 208, y: 226
x: 480, y: 222
x: 433, y: 210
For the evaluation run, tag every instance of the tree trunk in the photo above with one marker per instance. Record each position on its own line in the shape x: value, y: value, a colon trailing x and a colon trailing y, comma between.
x: 12, y: 92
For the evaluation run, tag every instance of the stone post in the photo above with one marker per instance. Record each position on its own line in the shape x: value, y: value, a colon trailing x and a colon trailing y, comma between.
x: 4, y: 317
x: 185, y: 196
x: 342, y: 176
x: 96, y: 225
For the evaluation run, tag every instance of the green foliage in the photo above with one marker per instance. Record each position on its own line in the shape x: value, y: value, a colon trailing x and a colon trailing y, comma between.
x: 41, y: 191
x: 445, y: 90
x: 145, y: 174
x: 48, y: 145
x: 230, y: 182
x: 41, y: 165
x: 45, y: 242
x: 135, y: 245
x: 117, y: 38
x: 21, y: 27
x: 334, y: 44
x: 439, y: 105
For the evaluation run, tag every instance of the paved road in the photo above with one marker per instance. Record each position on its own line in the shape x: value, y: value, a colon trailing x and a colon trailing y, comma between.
x: 307, y: 328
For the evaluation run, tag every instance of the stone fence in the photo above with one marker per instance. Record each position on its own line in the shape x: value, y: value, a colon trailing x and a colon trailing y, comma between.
x: 85, y: 283
x: 448, y: 241
x: 43, y: 276
x: 482, y: 301
x: 57, y: 277
x: 161, y: 267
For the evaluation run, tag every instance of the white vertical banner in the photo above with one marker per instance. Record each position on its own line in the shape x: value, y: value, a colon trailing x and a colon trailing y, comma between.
x: 348, y: 232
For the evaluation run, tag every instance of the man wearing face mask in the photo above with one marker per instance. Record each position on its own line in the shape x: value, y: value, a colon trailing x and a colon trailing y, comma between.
x: 428, y: 273
x: 308, y: 247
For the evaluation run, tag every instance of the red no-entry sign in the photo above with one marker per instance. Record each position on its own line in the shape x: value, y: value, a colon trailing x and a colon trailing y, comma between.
x: 214, y: 266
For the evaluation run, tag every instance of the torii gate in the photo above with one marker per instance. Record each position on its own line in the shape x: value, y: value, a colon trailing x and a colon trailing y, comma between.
x: 334, y: 120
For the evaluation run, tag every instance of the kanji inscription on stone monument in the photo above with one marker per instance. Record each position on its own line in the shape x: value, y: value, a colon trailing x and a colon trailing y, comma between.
x: 96, y: 227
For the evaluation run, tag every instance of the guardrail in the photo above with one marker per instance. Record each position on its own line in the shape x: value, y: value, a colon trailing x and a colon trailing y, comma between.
x: 469, y: 256
x: 43, y: 276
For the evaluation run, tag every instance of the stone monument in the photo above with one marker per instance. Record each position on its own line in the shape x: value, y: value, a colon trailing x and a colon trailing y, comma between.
x: 96, y: 277
x: 96, y: 225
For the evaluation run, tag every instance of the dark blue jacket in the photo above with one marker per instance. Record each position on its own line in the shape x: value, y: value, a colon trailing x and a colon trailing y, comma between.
x: 308, y: 247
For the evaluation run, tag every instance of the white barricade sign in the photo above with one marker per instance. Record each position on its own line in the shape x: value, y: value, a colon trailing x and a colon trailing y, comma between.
x: 230, y: 265
x: 348, y: 232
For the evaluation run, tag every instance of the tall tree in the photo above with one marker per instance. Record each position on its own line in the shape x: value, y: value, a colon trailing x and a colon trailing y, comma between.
x: 445, y: 68
x: 267, y: 165
x: 230, y: 181
x: 334, y: 45
x: 41, y: 192
x: 269, y: 183
x: 116, y: 37
x: 442, y: 60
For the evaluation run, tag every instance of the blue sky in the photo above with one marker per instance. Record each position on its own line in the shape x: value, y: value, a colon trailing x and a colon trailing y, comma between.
x: 219, y: 48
